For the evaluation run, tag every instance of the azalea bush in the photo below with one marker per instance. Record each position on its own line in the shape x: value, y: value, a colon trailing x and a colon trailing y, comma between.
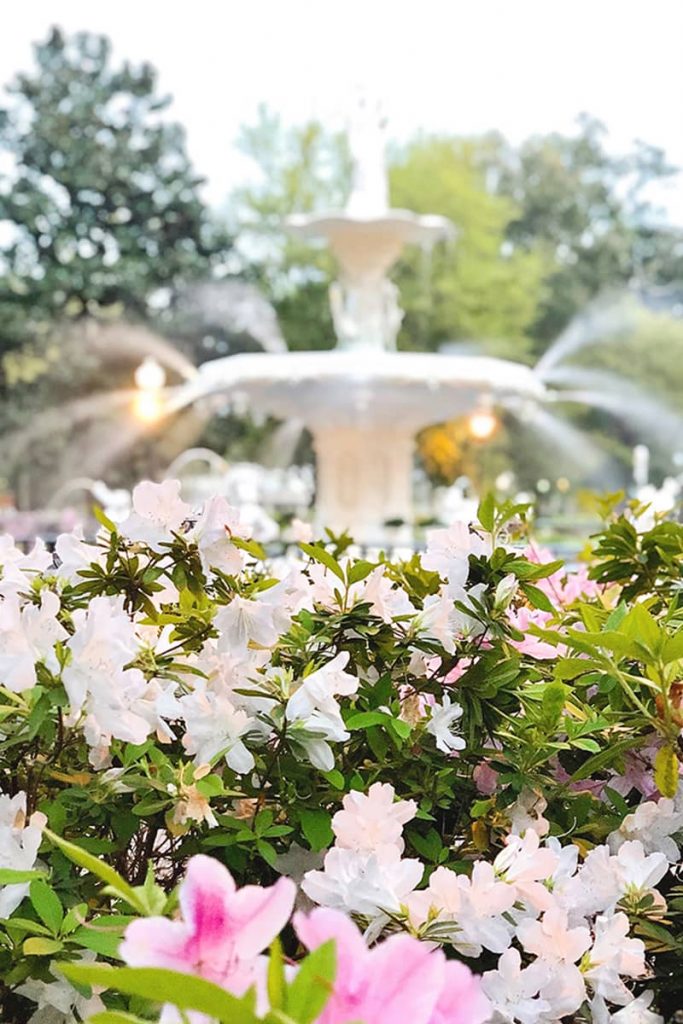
x: 463, y: 769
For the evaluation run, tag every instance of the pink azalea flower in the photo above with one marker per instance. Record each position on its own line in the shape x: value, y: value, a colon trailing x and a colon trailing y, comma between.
x: 563, y: 586
x: 399, y: 981
x: 458, y: 671
x: 577, y: 584
x: 485, y: 778
x: 521, y: 619
x: 222, y: 931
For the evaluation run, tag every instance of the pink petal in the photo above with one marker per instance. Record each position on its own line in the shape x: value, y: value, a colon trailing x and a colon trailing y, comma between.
x: 257, y: 915
x: 158, y: 942
x: 205, y: 896
x: 404, y: 981
x: 323, y: 924
x: 461, y: 1000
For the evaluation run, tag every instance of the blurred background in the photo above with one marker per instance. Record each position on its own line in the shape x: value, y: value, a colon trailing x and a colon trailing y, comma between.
x: 149, y: 162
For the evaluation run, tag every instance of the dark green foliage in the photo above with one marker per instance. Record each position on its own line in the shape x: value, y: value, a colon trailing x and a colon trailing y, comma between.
x: 102, y: 202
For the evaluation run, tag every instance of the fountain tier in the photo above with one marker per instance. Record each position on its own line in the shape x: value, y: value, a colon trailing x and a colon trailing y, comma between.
x: 363, y: 410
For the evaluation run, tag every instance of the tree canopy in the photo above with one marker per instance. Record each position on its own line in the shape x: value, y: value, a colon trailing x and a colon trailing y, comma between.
x: 100, y: 204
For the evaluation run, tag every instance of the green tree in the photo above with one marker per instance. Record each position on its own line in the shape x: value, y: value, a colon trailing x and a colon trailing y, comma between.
x: 480, y: 287
x: 101, y: 205
x: 301, y: 169
x: 588, y: 213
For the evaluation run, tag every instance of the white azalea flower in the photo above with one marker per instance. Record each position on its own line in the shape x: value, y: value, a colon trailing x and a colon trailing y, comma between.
x: 317, y: 691
x: 638, y: 1011
x: 440, y: 725
x: 216, y: 525
x: 73, y: 555
x: 27, y: 635
x: 515, y: 991
x: 652, y: 824
x: 215, y: 725
x: 58, y: 1000
x: 593, y: 889
x: 385, y: 600
x: 613, y: 954
x: 362, y: 883
x: 158, y: 512
x: 442, y: 621
x: 19, y: 845
x: 17, y: 569
x: 448, y: 551
x: 286, y: 598
x: 243, y: 622
x: 477, y: 907
x: 552, y: 939
x: 372, y: 821
x: 526, y: 864
x: 103, y: 643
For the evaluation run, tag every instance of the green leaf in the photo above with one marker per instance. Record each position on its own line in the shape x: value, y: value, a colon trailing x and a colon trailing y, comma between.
x: 315, y: 825
x: 335, y: 778
x: 570, y: 668
x: 583, y: 743
x: 554, y: 697
x: 601, y: 760
x: 103, y: 519
x: 672, y: 649
x: 537, y: 597
x: 103, y: 934
x: 359, y: 570
x: 46, y: 905
x: 252, y: 547
x: 100, y: 869
x: 266, y: 851
x: 401, y: 728
x: 8, y: 876
x: 320, y: 554
x: 116, y: 1017
x: 308, y: 994
x: 429, y: 846
x: 276, y: 977
x: 640, y: 625
x: 617, y: 801
x: 37, y: 946
x: 486, y: 512
x: 21, y: 924
x: 666, y: 771
x: 182, y: 990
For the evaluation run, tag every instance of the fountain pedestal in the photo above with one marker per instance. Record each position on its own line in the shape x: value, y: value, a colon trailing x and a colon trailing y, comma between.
x: 364, y: 479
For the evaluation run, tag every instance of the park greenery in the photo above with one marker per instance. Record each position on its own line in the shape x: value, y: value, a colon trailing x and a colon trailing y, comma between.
x: 473, y: 754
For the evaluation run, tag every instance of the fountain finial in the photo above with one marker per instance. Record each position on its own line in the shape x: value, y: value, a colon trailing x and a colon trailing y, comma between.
x: 367, y: 238
x: 367, y: 142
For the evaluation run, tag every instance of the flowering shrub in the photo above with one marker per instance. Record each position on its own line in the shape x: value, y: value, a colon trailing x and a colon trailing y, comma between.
x: 464, y: 767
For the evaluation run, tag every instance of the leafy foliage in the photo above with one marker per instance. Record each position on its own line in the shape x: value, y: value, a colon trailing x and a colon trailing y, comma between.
x: 561, y: 686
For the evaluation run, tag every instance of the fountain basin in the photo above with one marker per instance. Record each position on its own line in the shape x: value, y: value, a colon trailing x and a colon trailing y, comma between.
x: 368, y: 389
x: 369, y: 246
x: 363, y: 410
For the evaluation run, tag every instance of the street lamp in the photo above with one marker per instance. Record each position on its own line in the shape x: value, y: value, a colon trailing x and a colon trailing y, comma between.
x: 150, y: 375
x: 483, y: 422
x: 150, y: 378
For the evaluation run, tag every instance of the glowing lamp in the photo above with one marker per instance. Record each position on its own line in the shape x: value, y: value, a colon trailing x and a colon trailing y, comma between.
x: 482, y: 424
x: 150, y: 375
x: 148, y: 406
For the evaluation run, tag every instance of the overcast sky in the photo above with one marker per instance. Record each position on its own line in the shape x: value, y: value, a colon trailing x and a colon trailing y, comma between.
x: 519, y: 66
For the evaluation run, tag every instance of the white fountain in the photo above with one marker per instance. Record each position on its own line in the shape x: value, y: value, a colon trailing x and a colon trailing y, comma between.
x: 363, y: 401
